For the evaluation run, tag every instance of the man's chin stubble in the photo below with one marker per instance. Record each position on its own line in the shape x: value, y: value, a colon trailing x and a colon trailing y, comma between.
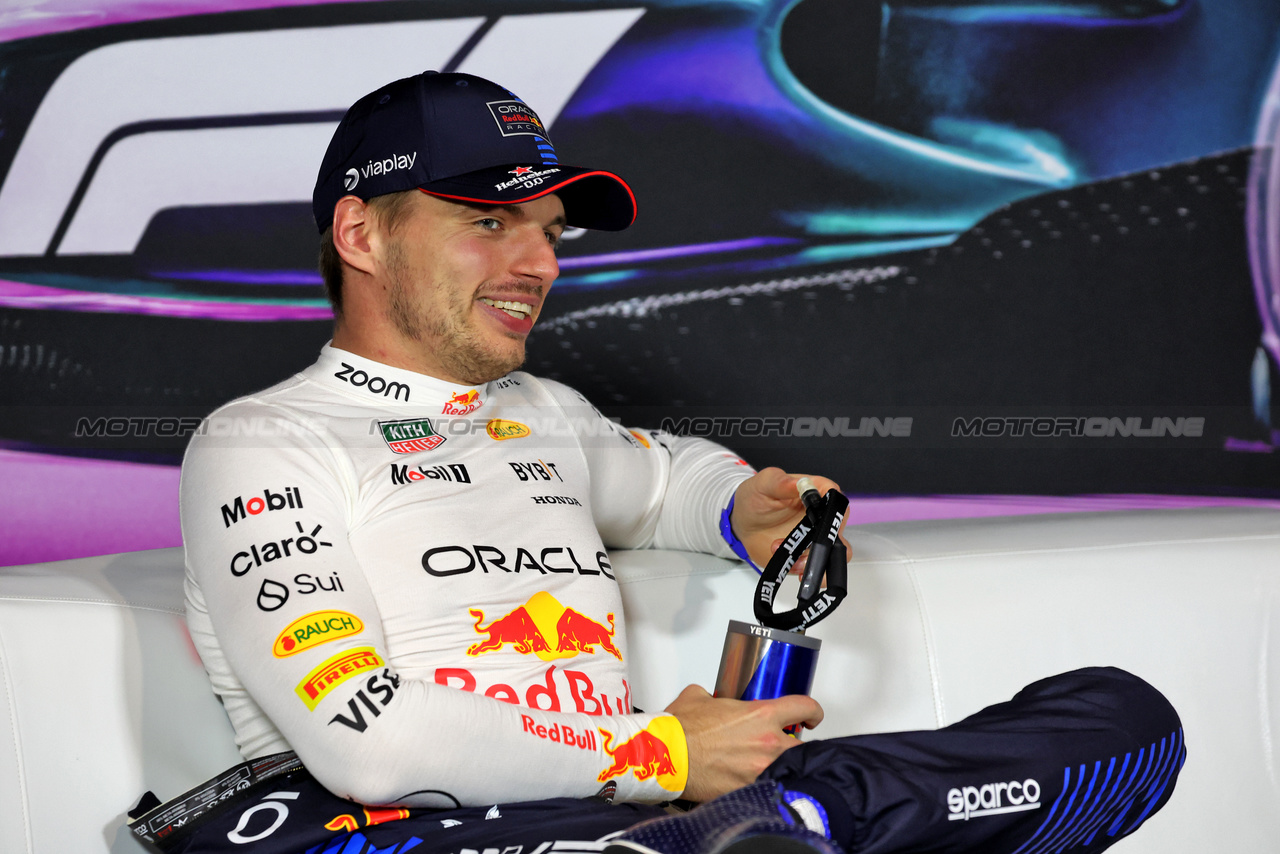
x: 476, y: 367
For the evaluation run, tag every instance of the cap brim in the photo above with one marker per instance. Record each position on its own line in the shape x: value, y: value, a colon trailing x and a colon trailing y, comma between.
x: 592, y: 198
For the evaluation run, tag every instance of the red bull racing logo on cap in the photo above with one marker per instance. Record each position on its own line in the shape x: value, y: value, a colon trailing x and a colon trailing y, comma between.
x: 658, y: 752
x: 514, y: 118
x: 545, y: 628
x: 462, y: 403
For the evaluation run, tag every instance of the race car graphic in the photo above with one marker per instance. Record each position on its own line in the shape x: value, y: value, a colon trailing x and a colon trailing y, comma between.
x: 157, y: 253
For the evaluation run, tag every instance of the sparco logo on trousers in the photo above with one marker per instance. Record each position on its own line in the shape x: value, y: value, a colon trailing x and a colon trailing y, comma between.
x: 992, y: 799
x: 241, y: 508
x: 376, y: 385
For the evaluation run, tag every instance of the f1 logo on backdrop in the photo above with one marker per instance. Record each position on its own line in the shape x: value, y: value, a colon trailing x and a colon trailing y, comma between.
x: 133, y: 128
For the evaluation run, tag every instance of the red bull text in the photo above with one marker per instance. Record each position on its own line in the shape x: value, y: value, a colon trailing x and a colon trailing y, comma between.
x: 561, y: 734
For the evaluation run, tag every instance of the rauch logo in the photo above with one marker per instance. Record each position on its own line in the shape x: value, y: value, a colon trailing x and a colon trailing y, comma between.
x: 501, y: 429
x: 314, y: 629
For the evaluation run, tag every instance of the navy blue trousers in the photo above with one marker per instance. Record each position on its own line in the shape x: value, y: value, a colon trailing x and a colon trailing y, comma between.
x: 1072, y: 763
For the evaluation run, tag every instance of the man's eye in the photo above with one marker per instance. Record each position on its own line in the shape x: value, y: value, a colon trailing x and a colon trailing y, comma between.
x: 553, y: 239
x: 489, y: 223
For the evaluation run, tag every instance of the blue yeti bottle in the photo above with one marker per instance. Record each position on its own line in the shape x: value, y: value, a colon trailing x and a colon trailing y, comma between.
x: 775, y: 658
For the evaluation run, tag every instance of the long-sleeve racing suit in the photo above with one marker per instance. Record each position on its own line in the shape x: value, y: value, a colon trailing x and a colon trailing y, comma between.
x: 405, y: 581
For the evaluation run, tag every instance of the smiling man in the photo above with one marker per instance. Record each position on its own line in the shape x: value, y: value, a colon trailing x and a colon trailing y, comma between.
x: 399, y: 580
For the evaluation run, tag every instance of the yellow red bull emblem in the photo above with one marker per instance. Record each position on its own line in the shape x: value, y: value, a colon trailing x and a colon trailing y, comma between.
x: 372, y: 816
x: 336, y: 670
x: 545, y: 628
x: 314, y: 629
x: 462, y: 403
x: 500, y: 429
x: 657, y: 752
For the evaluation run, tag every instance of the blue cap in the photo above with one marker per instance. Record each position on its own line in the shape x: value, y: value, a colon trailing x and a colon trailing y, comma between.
x: 459, y: 137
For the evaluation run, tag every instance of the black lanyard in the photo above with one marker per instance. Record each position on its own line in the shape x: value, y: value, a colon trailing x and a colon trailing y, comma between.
x: 819, y: 531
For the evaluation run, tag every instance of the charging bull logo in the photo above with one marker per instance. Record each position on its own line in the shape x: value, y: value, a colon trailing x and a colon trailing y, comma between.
x: 545, y: 628
x: 658, y: 752
x: 372, y: 816
x: 462, y: 403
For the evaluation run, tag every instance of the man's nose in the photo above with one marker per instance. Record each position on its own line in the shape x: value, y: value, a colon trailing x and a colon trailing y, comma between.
x: 537, y: 257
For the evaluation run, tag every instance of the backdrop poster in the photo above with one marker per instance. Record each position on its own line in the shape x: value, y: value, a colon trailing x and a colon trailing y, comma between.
x: 954, y: 248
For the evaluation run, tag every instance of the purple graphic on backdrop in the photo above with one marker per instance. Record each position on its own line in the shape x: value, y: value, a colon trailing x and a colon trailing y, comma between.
x: 1054, y: 238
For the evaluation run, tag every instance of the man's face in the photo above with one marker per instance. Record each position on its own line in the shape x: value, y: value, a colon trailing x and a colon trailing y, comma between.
x: 465, y: 283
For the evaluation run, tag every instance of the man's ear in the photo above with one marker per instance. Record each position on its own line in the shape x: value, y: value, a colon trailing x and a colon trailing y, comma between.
x: 352, y: 232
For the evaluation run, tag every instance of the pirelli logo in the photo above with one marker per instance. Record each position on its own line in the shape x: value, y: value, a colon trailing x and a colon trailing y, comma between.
x: 338, y: 669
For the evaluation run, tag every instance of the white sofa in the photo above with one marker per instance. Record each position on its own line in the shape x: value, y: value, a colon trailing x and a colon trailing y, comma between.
x: 102, y: 695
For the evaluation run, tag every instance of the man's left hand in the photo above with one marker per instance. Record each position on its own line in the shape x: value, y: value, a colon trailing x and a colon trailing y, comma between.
x: 766, y: 507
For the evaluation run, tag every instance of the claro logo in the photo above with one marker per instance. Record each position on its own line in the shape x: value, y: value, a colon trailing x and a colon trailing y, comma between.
x: 992, y: 799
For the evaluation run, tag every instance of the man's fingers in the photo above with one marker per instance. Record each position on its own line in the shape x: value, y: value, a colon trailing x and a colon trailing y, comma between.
x: 822, y: 484
x: 690, y: 694
x: 796, y: 709
x: 777, y: 485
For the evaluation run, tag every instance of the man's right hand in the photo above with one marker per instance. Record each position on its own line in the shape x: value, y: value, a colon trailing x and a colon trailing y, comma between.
x: 732, y: 741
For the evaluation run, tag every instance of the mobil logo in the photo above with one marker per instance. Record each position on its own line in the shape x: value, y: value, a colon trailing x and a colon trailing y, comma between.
x: 314, y: 629
x: 462, y: 403
x: 254, y: 505
x: 657, y: 752
x: 545, y: 628
x: 453, y: 472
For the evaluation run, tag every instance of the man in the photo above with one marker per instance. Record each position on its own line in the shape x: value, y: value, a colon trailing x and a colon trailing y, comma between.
x: 397, y: 561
